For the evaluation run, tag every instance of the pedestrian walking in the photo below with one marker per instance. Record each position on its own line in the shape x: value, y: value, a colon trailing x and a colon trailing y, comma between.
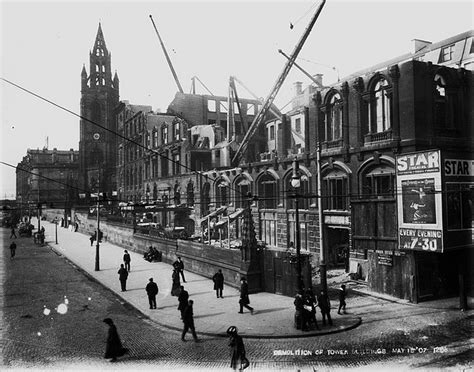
x: 188, y: 320
x: 126, y: 260
x: 218, y: 280
x: 12, y: 249
x: 113, y: 348
x: 123, y: 275
x: 13, y: 233
x: 237, y: 348
x: 342, y: 299
x: 151, y: 290
x: 176, y: 284
x: 179, y: 265
x: 183, y: 301
x: 325, y: 306
x: 42, y: 235
x: 244, y: 297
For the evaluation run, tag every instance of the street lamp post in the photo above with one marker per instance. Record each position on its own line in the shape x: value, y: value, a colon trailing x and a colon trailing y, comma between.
x: 97, y: 246
x: 97, y: 266
x: 56, y: 229
x: 322, y: 255
x: 296, y: 184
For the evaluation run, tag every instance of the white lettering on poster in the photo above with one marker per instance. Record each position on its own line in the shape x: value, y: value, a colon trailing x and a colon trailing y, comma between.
x: 422, y: 160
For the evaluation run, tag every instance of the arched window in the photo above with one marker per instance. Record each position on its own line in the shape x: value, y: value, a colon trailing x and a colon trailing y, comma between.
x: 222, y: 187
x: 334, y: 118
x: 268, y: 192
x: 378, y: 182
x: 381, y: 107
x: 335, y: 190
x: 242, y: 188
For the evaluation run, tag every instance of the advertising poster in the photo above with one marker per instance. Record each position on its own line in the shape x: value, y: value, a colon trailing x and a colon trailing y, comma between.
x: 419, y: 201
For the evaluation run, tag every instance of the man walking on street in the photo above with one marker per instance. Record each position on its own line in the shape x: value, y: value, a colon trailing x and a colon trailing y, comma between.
x: 12, y: 249
x: 188, y: 320
x: 13, y: 232
x: 342, y: 299
x: 179, y: 265
x: 123, y: 275
x: 244, y: 297
x: 126, y: 260
x: 325, y: 306
x: 218, y: 280
x: 183, y: 300
x: 151, y: 291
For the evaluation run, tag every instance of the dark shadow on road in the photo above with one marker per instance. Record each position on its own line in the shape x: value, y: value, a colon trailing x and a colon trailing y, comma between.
x: 257, y: 312
x: 207, y: 315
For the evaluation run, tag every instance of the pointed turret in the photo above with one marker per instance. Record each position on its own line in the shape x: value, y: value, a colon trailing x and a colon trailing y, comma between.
x: 100, y: 62
x: 116, y: 81
x: 83, y: 78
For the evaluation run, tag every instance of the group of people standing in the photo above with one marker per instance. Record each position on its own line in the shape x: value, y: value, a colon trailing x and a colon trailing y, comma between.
x: 306, y: 303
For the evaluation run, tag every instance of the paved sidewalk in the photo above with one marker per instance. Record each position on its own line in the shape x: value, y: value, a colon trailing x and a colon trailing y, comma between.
x: 273, y: 315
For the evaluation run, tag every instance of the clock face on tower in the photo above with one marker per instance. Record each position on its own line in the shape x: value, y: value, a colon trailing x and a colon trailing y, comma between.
x: 96, y: 136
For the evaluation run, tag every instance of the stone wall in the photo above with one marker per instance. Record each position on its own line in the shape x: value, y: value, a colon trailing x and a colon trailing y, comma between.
x: 199, y: 258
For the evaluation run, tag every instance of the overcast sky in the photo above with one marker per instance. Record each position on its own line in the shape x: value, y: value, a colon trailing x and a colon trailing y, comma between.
x: 45, y: 44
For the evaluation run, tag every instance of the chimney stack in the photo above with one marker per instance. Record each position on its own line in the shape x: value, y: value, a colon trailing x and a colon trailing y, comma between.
x: 298, y: 87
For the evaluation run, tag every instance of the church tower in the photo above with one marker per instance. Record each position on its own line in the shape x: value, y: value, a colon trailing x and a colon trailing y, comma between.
x: 98, y: 142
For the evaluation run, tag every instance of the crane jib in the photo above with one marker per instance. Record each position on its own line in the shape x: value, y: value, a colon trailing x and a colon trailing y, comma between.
x: 271, y: 97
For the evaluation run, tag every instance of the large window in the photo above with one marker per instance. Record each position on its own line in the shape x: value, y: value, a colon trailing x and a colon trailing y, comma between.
x: 242, y: 188
x: 176, y: 164
x: 222, y: 188
x: 381, y: 107
x: 176, y: 132
x: 334, y: 118
x: 164, y: 134
x: 379, y: 182
x: 211, y: 105
x: 336, y: 191
x: 446, y: 54
x: 268, y: 192
x: 269, y: 229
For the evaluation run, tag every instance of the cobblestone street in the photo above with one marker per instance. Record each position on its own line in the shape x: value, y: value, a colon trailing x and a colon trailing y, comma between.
x: 38, y: 279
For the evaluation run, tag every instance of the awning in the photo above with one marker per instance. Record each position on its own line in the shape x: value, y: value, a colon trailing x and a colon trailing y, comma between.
x: 214, y: 213
x: 231, y: 217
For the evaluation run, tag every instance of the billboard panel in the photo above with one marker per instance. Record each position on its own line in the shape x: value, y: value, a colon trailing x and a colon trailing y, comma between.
x: 419, y: 201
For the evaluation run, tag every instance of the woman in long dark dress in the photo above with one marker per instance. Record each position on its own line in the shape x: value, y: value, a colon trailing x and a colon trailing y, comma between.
x: 176, y: 286
x: 237, y: 348
x: 113, y: 348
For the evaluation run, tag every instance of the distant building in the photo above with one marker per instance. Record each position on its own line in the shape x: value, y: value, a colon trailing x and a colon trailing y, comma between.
x: 47, y: 178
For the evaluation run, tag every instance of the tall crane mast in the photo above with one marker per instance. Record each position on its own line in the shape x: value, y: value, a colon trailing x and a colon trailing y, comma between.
x: 167, y: 57
x: 260, y: 117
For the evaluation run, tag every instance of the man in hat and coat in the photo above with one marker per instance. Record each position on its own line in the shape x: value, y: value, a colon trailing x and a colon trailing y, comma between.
x: 183, y: 300
x: 151, y: 290
x: 188, y: 320
x: 123, y: 275
x: 244, y: 297
x: 218, y: 280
